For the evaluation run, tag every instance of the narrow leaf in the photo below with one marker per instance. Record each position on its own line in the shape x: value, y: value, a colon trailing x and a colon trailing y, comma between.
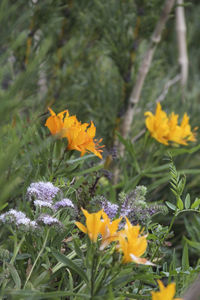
x: 15, y: 276
x: 71, y: 265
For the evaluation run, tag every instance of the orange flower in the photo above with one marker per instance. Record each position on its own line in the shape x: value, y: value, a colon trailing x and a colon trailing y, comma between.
x: 165, y: 293
x: 165, y: 129
x: 132, y: 244
x: 80, y: 136
x: 55, y: 122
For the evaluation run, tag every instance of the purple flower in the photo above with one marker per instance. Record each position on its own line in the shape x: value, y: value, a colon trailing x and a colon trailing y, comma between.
x: 17, y: 218
x: 48, y: 220
x: 110, y: 208
x: 63, y: 203
x: 40, y: 203
x: 23, y: 221
x: 12, y: 216
x: 41, y: 190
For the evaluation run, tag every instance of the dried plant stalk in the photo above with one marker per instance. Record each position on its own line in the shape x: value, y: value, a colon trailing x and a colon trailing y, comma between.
x: 181, y: 38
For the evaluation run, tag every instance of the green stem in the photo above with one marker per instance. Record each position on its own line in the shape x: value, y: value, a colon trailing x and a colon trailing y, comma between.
x: 92, y: 275
x: 16, y: 248
x: 56, y: 169
x: 35, y: 262
x: 165, y: 235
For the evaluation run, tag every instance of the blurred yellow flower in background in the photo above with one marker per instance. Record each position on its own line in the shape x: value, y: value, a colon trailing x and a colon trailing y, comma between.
x: 166, y: 129
x: 80, y: 136
x: 165, y: 293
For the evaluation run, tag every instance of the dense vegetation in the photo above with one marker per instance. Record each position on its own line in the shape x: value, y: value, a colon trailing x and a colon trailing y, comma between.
x: 81, y: 217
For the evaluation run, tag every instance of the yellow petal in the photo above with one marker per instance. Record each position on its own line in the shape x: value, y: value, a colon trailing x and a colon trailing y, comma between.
x: 81, y: 227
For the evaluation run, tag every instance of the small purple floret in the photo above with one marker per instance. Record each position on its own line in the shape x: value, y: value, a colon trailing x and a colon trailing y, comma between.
x: 110, y: 208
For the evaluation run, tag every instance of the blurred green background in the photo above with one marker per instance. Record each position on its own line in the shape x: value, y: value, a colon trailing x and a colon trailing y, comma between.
x: 84, y: 56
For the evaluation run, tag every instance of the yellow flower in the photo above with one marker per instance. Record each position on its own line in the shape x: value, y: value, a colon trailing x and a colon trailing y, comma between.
x: 158, y: 125
x: 165, y: 293
x: 166, y: 129
x: 132, y: 244
x: 80, y: 136
x: 93, y: 224
x: 108, y: 230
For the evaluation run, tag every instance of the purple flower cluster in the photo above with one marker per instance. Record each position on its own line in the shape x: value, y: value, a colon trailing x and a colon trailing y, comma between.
x: 48, y: 220
x: 17, y: 218
x: 44, y: 191
x: 40, y: 204
x: 135, y: 207
x: 63, y: 203
x: 42, y: 194
x: 110, y: 209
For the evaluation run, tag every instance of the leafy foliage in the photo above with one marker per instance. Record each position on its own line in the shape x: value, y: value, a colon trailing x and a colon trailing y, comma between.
x: 84, y: 56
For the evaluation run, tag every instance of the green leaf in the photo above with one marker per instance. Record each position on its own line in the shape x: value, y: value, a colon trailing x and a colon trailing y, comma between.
x: 77, y: 249
x: 187, y: 201
x: 31, y: 294
x: 193, y: 244
x: 180, y: 203
x: 185, y: 258
x: 196, y: 203
x: 99, y: 280
x: 71, y: 265
x: 170, y: 205
x: 71, y: 282
x: 42, y: 278
x: 15, y: 276
x: 181, y: 185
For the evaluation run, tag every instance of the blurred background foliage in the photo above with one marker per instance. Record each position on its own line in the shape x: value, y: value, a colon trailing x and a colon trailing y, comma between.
x: 84, y: 56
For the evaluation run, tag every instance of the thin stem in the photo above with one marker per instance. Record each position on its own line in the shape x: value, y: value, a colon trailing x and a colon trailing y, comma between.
x: 60, y: 161
x: 39, y: 254
x: 16, y: 248
x: 92, y: 275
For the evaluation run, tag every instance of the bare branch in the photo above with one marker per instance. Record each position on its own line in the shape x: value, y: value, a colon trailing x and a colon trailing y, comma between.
x: 138, y: 136
x: 167, y: 86
x: 182, y: 44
